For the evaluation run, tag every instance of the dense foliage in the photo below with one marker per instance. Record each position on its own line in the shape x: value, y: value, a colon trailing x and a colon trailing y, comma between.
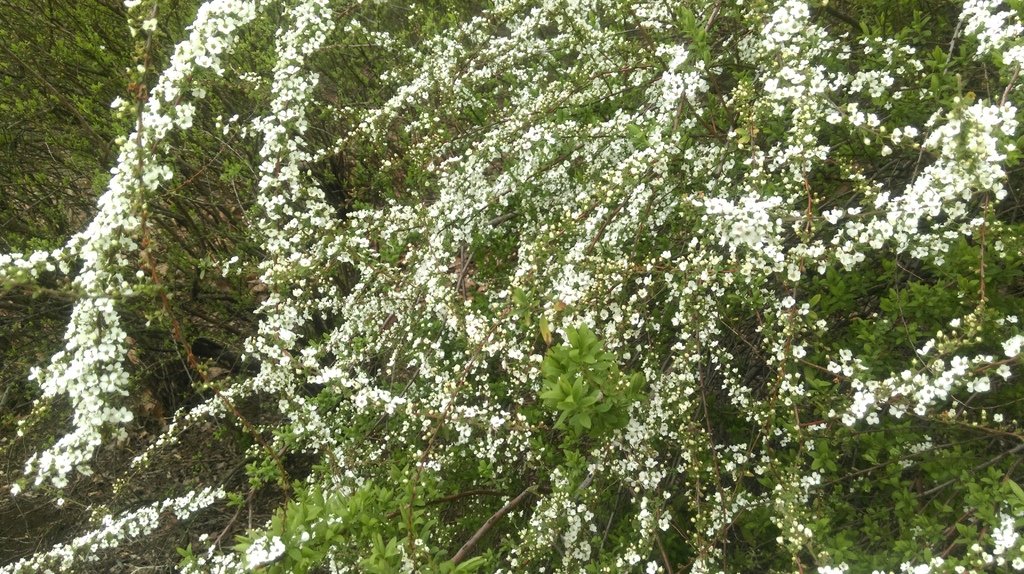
x: 518, y: 286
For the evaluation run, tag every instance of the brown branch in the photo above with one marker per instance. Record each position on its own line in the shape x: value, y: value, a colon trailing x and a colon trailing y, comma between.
x: 468, y: 546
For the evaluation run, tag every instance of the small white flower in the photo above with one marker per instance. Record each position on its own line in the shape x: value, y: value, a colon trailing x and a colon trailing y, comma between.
x: 1013, y: 345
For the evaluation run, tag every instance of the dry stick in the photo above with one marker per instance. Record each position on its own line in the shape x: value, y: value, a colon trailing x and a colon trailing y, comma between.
x: 466, y: 258
x: 709, y: 24
x: 468, y: 546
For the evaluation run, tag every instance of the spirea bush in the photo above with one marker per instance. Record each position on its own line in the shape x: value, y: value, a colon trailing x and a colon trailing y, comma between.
x: 667, y: 286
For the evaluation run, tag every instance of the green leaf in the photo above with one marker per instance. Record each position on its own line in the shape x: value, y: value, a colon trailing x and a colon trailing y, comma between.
x: 1016, y: 489
x: 572, y: 335
x: 545, y: 330
x: 590, y: 399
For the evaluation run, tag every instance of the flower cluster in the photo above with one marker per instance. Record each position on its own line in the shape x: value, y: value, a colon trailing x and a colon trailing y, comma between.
x: 801, y: 243
x: 997, y: 31
x: 114, y: 531
x: 90, y: 370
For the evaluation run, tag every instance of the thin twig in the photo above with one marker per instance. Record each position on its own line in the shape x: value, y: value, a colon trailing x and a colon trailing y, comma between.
x: 468, y: 546
x: 664, y: 555
x: 1009, y: 87
x: 248, y: 501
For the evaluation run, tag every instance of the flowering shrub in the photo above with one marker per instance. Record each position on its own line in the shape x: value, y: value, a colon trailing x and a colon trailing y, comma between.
x: 687, y: 286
